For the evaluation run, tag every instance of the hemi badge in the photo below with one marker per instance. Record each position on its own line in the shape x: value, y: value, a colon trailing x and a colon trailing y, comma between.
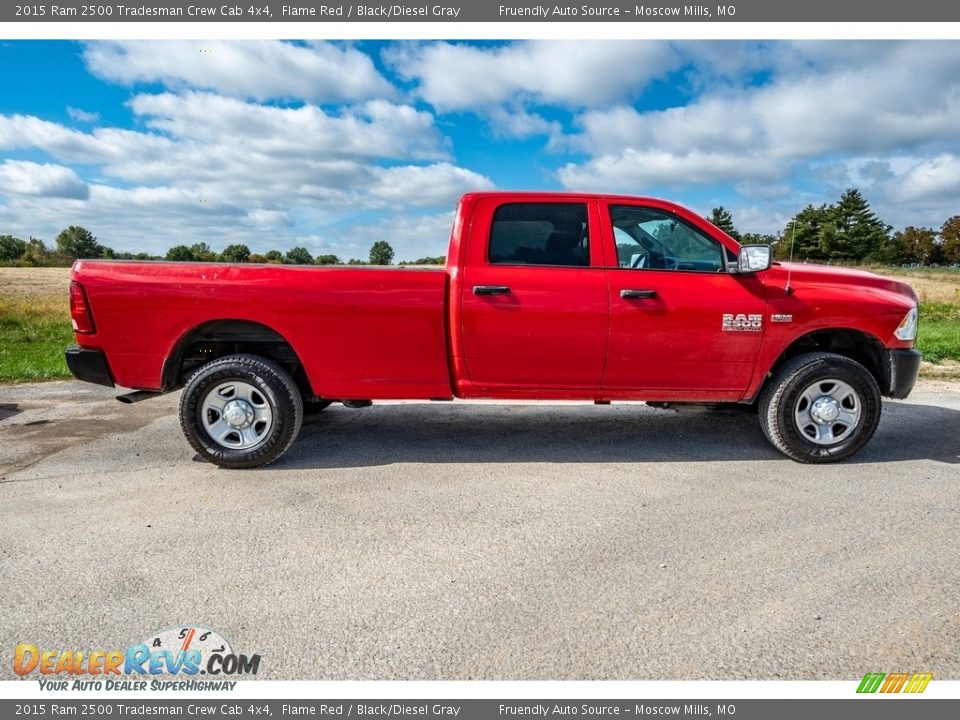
x: 781, y: 318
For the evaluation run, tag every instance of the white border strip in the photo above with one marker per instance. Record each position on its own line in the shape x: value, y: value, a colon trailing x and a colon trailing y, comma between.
x: 482, y: 31
x: 515, y: 690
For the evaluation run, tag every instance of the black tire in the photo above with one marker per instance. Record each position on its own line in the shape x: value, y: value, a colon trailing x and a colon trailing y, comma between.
x: 271, y: 391
x: 786, y: 397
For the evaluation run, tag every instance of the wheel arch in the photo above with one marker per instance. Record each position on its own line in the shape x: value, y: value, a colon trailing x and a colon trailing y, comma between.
x: 863, y: 347
x: 218, y: 338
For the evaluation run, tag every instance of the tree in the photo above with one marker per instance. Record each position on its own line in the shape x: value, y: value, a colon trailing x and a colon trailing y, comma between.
x: 759, y: 239
x: 11, y: 248
x: 235, y: 254
x: 354, y: 261
x: 37, y: 254
x: 913, y: 245
x: 257, y: 258
x: 852, y: 231
x: 723, y: 219
x: 202, y: 253
x: 299, y: 256
x: 381, y: 253
x: 273, y: 256
x: 326, y: 260
x: 78, y: 243
x: 438, y: 260
x: 179, y: 253
x: 801, y: 237
x: 950, y: 240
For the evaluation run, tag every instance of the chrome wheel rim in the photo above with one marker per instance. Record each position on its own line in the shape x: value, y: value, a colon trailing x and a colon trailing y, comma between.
x: 236, y: 415
x: 827, y: 411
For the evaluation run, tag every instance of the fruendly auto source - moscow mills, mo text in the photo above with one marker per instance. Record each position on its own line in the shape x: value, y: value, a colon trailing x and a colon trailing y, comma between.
x: 616, y: 11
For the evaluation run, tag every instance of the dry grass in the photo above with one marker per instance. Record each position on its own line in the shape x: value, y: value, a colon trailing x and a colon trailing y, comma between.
x: 933, y: 285
x: 34, y: 282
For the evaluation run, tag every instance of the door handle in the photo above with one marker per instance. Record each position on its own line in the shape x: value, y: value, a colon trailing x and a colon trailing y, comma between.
x: 638, y: 294
x: 491, y: 290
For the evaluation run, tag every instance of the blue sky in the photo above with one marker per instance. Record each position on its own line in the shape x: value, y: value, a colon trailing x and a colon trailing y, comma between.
x: 336, y: 145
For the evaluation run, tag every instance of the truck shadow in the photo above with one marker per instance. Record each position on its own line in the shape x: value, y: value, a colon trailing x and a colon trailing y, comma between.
x: 486, y: 433
x: 8, y: 410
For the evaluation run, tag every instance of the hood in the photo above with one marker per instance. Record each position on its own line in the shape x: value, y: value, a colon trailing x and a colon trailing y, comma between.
x: 808, y: 274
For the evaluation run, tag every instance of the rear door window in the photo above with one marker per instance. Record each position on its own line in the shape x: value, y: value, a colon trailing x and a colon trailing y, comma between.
x: 553, y: 234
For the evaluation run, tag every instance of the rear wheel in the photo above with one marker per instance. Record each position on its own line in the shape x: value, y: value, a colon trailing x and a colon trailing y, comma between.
x: 820, y: 407
x: 241, y: 411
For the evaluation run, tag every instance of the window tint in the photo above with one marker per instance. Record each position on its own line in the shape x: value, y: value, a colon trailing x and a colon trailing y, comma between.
x: 653, y: 239
x: 540, y: 234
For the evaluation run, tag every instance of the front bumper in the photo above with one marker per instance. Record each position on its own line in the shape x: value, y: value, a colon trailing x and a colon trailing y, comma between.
x: 89, y: 365
x: 904, y: 366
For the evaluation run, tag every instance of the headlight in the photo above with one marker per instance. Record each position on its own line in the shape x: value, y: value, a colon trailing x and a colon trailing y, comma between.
x: 907, y: 329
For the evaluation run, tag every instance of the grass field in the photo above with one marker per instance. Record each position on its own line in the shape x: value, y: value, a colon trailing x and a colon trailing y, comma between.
x: 35, y: 321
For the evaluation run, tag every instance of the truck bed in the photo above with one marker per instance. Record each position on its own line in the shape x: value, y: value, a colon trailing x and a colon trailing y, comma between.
x: 360, y: 332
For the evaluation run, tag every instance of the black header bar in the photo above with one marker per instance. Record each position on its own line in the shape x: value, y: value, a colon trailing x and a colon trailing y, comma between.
x: 644, y: 11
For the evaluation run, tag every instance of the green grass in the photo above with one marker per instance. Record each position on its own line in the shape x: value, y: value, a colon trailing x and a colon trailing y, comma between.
x: 939, y: 336
x: 32, y: 340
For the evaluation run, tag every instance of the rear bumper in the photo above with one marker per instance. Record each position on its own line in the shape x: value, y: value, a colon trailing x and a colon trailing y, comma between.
x: 904, y: 367
x: 89, y: 365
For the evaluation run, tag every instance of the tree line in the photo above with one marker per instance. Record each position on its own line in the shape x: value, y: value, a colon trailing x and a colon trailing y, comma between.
x: 847, y: 231
x: 75, y: 243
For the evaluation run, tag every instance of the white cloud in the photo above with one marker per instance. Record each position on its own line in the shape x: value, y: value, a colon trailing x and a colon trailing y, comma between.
x: 263, y: 217
x: 432, y: 185
x: 907, y: 98
x: 639, y: 169
x: 931, y: 181
x: 19, y: 177
x: 82, y: 115
x: 411, y: 236
x: 102, y: 145
x: 573, y: 74
x: 259, y: 69
x: 226, y: 170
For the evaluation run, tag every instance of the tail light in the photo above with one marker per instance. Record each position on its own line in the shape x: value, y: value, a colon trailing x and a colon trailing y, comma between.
x: 80, y: 309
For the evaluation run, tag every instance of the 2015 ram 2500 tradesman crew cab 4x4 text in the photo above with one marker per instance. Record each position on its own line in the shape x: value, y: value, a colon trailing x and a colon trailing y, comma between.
x: 544, y: 296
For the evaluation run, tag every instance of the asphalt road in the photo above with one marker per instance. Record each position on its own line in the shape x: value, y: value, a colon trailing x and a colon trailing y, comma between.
x: 515, y: 541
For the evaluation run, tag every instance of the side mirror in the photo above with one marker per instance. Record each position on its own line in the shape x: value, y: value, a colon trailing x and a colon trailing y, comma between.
x: 754, y: 258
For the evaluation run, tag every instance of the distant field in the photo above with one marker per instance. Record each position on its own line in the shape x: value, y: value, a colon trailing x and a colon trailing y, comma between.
x: 35, y: 321
x: 932, y: 284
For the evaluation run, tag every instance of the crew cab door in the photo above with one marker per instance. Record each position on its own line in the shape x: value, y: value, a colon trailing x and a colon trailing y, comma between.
x: 679, y: 320
x: 533, y: 297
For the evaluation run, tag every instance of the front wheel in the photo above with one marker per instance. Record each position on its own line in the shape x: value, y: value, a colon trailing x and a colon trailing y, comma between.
x: 241, y: 411
x: 820, y: 407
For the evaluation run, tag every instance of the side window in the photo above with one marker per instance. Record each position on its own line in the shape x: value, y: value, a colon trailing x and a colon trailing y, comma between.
x: 653, y: 239
x: 540, y: 234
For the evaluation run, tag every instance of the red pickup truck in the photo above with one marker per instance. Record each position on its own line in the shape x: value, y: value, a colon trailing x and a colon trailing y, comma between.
x: 544, y: 296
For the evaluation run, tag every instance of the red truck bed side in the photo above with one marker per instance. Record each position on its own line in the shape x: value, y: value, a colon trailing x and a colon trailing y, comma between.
x: 359, y: 332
